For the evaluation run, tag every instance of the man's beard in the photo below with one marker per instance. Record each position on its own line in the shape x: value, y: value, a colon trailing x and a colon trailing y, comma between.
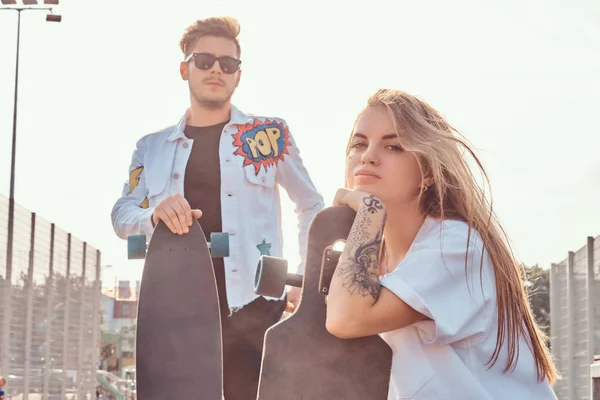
x: 213, y: 104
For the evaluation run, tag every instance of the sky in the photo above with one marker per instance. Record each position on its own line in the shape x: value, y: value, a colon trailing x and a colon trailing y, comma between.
x: 520, y: 79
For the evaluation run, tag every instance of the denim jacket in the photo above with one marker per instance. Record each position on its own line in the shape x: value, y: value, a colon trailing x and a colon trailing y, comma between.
x: 257, y: 154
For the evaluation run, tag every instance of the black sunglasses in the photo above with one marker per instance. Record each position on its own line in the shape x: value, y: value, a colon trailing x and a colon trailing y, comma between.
x: 205, y: 61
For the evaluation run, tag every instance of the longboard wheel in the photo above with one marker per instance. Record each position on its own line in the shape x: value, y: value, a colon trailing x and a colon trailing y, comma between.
x: 271, y: 276
x: 136, y: 247
x: 219, y: 244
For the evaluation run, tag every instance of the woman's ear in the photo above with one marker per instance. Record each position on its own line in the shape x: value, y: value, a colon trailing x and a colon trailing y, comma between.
x: 428, y: 181
x: 427, y: 173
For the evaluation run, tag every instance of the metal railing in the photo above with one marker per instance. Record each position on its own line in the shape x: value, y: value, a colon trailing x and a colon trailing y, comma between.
x: 575, y: 319
x: 49, y: 310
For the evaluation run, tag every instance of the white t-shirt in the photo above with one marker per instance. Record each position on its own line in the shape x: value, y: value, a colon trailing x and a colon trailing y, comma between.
x: 447, y: 357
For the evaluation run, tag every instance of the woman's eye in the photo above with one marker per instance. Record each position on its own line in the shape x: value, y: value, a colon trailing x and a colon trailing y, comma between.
x: 358, y: 145
x: 394, y: 147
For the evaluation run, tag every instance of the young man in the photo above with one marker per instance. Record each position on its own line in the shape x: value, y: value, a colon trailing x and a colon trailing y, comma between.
x: 222, y: 167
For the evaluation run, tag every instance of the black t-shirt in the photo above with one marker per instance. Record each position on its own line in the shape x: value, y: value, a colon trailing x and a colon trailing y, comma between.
x: 202, y: 188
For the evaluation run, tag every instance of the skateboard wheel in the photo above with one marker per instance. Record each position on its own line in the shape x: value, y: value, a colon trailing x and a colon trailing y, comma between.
x: 271, y: 276
x: 136, y: 247
x: 219, y: 244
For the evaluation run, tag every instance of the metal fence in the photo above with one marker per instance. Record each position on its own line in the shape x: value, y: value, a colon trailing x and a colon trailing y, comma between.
x: 49, y: 311
x: 575, y: 319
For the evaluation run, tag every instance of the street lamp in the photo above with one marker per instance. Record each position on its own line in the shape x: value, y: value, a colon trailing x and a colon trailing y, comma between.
x: 6, y: 303
x: 28, y: 5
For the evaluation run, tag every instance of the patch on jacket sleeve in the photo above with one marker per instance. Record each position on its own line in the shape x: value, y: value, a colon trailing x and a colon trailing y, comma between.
x: 134, y: 181
x: 262, y: 144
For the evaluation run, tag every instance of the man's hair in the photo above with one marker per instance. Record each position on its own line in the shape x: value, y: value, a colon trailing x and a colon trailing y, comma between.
x: 225, y: 27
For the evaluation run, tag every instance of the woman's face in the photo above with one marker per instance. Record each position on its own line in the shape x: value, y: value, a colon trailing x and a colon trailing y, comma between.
x: 377, y: 164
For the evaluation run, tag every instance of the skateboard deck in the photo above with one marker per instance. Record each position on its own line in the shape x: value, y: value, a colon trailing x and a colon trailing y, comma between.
x: 178, y: 338
x: 301, y: 359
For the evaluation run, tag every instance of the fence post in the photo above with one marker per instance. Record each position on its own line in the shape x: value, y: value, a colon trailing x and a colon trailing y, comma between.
x: 66, y: 319
x: 590, y: 298
x: 5, y: 328
x: 29, y: 312
x: 96, y: 318
x: 571, y: 327
x: 554, y: 307
x: 80, y: 381
x: 7, y: 312
x: 48, y: 365
x: 595, y: 380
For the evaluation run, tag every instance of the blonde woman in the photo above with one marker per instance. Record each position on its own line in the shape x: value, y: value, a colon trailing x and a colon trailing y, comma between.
x: 427, y: 267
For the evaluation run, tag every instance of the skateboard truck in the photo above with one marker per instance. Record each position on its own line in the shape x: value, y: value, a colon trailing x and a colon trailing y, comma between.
x: 272, y: 274
x: 218, y: 245
x: 330, y: 261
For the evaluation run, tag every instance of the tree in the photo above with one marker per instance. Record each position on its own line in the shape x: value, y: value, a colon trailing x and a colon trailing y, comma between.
x: 537, y: 284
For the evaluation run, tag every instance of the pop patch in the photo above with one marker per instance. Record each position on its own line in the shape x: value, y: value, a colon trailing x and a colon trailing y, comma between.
x: 262, y: 144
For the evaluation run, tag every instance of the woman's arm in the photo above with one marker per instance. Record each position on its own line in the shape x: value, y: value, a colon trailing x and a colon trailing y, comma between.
x: 357, y: 305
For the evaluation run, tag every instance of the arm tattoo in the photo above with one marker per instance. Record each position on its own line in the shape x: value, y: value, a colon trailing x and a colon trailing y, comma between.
x: 373, y: 204
x: 359, y: 266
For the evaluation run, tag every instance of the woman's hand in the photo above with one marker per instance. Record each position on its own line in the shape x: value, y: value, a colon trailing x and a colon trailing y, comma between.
x: 348, y: 197
x: 355, y: 199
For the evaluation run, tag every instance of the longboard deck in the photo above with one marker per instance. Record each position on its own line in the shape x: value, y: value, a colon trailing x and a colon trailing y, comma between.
x: 301, y: 360
x: 179, y: 346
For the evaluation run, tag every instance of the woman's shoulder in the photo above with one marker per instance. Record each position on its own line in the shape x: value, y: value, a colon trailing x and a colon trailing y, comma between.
x: 451, y: 231
x: 451, y: 246
x: 452, y: 239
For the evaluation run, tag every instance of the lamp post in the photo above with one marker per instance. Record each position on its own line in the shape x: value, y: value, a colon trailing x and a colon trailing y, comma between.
x: 27, y: 5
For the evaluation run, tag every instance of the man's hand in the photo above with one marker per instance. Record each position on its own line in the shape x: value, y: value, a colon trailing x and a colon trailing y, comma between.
x: 293, y: 299
x: 176, y: 213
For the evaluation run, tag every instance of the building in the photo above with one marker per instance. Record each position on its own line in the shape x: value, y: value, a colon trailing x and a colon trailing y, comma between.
x: 119, y: 305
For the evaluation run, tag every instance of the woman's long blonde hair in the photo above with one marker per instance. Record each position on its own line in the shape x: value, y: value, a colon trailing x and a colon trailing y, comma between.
x: 455, y: 194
